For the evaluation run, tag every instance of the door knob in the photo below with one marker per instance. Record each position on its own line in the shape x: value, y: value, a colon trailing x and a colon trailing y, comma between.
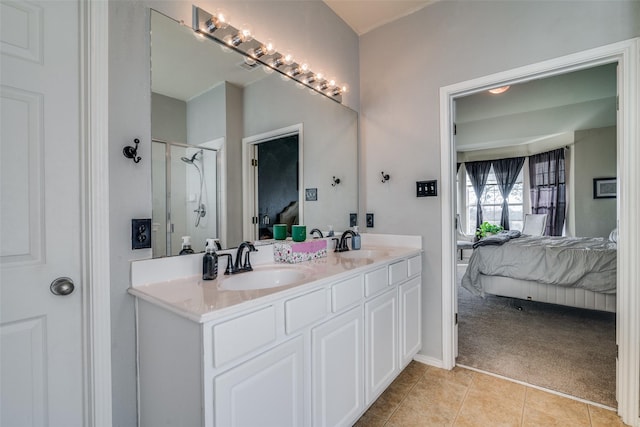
x: 62, y: 286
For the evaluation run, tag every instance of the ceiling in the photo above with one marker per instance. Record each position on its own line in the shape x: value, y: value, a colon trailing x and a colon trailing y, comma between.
x: 365, y: 15
x: 542, y: 111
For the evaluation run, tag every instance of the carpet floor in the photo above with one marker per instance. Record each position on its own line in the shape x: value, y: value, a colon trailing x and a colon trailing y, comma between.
x: 565, y: 349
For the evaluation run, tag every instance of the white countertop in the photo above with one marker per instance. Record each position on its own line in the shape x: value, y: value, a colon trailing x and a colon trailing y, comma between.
x: 204, y: 300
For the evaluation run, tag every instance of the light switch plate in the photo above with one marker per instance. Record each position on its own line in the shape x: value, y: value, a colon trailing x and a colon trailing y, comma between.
x: 427, y: 188
x: 353, y: 219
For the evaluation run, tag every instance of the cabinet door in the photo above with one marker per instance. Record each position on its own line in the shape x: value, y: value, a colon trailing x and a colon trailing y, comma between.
x: 410, y: 319
x: 381, y: 343
x: 265, y: 391
x: 337, y: 370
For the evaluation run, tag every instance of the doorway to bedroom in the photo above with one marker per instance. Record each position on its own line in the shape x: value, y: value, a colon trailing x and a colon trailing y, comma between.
x: 566, y: 125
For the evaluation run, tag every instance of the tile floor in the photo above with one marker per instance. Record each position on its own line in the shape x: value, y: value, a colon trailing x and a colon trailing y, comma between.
x: 426, y: 396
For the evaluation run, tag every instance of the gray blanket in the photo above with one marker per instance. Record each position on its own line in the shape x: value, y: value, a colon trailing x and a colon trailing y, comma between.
x: 583, y: 262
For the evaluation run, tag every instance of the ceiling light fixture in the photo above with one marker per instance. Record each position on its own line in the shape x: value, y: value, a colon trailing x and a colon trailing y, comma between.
x: 216, y: 26
x: 499, y: 90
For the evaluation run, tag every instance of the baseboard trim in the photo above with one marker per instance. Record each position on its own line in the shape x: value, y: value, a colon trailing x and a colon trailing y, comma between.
x: 431, y: 361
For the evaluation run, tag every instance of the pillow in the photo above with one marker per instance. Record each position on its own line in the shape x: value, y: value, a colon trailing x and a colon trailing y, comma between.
x: 613, y: 236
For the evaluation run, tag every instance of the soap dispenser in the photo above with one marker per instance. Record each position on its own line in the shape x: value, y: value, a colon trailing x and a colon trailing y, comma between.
x: 355, y: 239
x: 210, y: 261
x: 186, y: 246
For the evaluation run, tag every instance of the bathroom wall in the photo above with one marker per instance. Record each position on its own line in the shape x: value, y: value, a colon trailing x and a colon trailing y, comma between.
x: 308, y: 28
x: 442, y: 44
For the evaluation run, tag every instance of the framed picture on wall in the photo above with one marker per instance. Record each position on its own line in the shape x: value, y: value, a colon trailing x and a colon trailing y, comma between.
x: 604, y: 188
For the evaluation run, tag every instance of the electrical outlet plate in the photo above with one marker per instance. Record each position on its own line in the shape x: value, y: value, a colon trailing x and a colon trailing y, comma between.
x: 353, y: 219
x: 427, y: 188
x: 141, y: 233
x: 369, y: 220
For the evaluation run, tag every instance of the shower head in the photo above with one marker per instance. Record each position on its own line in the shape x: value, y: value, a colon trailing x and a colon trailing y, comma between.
x: 192, y: 159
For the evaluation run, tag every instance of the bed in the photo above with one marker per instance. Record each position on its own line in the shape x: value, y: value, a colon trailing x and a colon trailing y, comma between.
x: 572, y: 271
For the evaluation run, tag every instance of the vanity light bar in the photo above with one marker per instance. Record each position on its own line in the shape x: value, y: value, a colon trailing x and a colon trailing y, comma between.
x: 216, y: 27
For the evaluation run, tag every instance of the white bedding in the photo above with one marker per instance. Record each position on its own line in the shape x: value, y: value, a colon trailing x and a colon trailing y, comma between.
x: 586, y: 263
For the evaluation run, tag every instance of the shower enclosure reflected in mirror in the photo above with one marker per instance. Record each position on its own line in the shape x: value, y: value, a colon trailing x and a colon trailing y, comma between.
x: 185, y: 192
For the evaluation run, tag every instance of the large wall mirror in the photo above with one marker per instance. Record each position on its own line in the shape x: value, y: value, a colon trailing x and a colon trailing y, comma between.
x: 210, y: 110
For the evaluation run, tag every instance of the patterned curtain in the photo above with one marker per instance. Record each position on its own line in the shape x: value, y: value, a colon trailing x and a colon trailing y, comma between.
x: 478, y: 174
x: 506, y: 171
x: 548, y: 189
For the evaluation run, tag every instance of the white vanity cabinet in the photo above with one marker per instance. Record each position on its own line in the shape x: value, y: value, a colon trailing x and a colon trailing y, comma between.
x: 267, y: 390
x: 410, y: 301
x: 317, y: 357
x: 336, y: 370
x: 381, y: 351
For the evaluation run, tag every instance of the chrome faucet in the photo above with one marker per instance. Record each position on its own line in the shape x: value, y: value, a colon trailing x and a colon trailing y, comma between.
x: 341, y: 245
x: 239, y: 266
x: 316, y: 230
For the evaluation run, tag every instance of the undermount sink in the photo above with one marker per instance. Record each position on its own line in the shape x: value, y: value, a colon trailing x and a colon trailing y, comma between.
x: 362, y: 254
x: 264, y: 278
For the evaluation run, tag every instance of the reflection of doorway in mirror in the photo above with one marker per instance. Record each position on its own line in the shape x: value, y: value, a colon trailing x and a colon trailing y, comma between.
x: 277, y: 184
x: 272, y: 181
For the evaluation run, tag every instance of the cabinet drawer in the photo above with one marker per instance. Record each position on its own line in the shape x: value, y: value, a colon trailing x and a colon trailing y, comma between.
x: 397, y: 272
x: 347, y: 292
x: 242, y: 335
x: 375, y: 281
x: 415, y: 265
x: 305, y: 310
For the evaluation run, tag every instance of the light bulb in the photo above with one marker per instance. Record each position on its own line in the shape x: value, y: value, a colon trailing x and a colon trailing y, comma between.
x: 271, y: 49
x: 222, y: 17
x: 288, y: 58
x: 344, y: 88
x: 217, y: 21
x: 246, y: 33
x: 304, y: 67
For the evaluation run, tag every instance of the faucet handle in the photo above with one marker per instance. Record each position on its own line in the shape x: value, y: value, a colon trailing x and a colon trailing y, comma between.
x: 247, y: 262
x: 230, y: 268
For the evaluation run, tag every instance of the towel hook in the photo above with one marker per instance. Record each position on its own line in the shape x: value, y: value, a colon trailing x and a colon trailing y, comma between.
x: 132, y: 152
x: 336, y: 181
x: 385, y: 177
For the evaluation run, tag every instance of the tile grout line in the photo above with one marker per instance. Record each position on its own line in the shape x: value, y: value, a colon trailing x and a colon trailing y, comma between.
x: 466, y: 393
x: 405, y: 397
x: 524, y: 404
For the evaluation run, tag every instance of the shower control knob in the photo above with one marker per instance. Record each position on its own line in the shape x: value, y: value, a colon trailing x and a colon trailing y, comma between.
x: 62, y: 286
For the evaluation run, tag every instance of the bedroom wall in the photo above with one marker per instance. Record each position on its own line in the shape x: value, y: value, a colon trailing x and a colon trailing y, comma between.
x: 595, y: 154
x: 442, y: 44
x: 311, y: 29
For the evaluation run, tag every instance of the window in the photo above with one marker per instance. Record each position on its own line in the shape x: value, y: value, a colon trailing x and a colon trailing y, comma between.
x: 491, y: 201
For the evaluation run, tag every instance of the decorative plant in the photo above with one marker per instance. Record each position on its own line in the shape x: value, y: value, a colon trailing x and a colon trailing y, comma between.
x: 488, y: 228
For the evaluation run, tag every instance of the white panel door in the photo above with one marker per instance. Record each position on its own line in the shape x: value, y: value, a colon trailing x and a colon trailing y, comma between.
x: 336, y: 377
x: 381, y: 343
x: 40, y: 333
